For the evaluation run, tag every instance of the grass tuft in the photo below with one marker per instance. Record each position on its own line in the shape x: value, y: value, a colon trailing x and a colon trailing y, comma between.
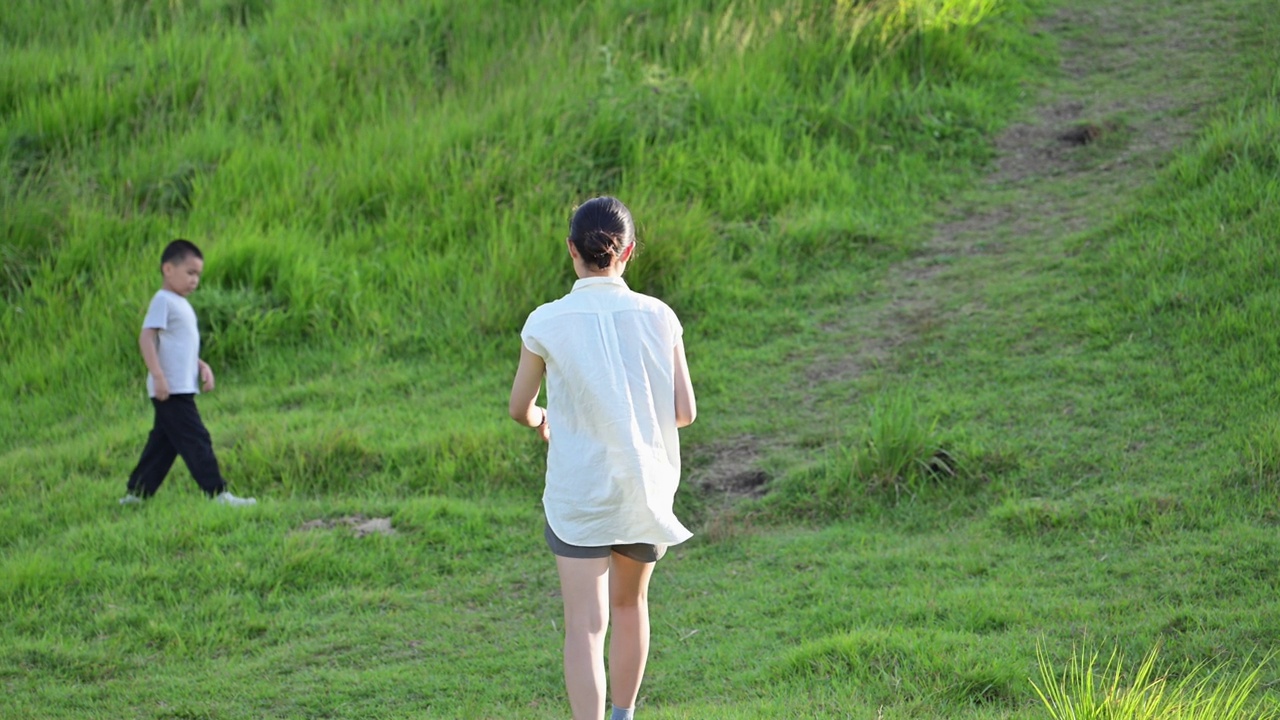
x: 1260, y: 457
x: 901, y: 450
x: 897, y: 455
x: 1085, y: 691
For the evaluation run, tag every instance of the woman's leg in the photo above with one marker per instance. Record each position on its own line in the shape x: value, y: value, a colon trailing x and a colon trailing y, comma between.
x: 584, y: 585
x: 629, y: 639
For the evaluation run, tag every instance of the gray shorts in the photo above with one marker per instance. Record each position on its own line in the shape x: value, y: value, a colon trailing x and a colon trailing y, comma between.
x: 640, y: 552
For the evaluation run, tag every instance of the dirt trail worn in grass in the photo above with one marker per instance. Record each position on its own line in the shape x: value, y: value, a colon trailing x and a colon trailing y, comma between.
x: 1130, y: 89
x: 1134, y: 79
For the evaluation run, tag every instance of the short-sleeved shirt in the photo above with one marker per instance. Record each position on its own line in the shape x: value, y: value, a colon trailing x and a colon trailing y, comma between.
x: 613, y: 463
x: 178, y: 342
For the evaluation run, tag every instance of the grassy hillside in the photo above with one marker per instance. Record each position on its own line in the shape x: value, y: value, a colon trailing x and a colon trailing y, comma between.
x: 394, y: 176
x: 381, y: 190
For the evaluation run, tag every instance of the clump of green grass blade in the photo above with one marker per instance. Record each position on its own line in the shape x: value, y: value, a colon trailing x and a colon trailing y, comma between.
x: 1083, y: 692
x: 1260, y: 455
x: 899, y: 452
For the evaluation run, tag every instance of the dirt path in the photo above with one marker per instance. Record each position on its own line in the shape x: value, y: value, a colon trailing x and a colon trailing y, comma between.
x: 1128, y: 95
x: 1131, y: 88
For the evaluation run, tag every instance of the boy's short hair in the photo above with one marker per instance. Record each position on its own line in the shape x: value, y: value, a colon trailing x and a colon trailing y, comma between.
x: 179, y: 250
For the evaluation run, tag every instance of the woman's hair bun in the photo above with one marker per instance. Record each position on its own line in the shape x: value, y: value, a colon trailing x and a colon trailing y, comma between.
x: 600, y: 247
x: 601, y: 229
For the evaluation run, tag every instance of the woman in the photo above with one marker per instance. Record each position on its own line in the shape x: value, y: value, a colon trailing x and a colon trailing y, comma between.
x: 618, y: 385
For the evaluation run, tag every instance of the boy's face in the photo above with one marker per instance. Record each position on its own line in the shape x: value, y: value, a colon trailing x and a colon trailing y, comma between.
x: 183, y: 276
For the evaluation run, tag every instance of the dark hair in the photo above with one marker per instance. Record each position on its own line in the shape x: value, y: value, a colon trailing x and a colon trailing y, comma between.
x: 601, y: 229
x: 179, y: 250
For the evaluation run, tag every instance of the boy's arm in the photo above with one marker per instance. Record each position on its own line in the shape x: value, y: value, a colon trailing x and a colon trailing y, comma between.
x: 148, y: 343
x: 206, y: 375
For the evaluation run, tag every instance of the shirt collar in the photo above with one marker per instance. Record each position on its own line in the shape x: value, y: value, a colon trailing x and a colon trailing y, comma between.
x: 604, y: 280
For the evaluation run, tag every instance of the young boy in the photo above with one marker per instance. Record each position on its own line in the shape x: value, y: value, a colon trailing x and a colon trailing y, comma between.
x: 170, y: 343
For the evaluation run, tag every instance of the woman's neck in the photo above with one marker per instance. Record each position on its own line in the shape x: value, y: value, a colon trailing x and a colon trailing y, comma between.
x: 584, y: 272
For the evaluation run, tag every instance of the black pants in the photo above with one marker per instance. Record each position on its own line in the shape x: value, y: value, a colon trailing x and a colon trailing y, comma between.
x: 178, y: 431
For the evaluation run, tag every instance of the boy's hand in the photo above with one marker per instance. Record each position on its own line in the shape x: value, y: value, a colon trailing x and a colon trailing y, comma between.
x: 206, y: 376
x: 161, y: 388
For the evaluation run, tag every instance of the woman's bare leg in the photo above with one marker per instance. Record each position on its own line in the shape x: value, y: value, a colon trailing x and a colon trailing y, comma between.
x: 584, y: 585
x: 629, y: 637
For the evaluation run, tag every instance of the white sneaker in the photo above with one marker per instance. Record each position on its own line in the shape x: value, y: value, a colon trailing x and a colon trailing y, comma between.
x: 131, y: 499
x: 227, y: 498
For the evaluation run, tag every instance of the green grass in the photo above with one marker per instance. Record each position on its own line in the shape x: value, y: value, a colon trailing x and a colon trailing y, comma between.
x: 381, y: 191
x: 1083, y: 692
x: 352, y: 166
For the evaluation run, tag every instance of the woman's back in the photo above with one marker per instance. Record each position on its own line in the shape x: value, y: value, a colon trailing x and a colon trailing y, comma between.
x: 614, y: 460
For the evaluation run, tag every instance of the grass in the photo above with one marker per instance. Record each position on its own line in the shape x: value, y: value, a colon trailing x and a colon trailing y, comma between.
x: 394, y: 124
x: 899, y: 456
x: 380, y: 189
x: 1077, y: 694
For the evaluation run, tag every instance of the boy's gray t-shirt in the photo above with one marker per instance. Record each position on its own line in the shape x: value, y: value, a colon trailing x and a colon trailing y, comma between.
x: 178, y: 342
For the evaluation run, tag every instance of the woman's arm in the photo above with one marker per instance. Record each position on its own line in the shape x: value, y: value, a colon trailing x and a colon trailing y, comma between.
x: 524, y: 393
x: 686, y: 405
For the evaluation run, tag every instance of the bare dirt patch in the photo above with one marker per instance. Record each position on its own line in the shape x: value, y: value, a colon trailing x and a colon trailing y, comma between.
x: 358, y: 524
x: 731, y: 467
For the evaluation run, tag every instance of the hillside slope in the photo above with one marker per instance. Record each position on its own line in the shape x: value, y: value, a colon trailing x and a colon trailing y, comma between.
x: 920, y: 236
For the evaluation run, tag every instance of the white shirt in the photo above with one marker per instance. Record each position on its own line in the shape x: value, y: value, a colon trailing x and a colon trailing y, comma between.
x: 613, y: 463
x: 178, y: 342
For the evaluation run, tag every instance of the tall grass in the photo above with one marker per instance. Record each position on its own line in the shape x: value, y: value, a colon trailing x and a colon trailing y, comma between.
x: 396, y: 175
x: 1087, y: 691
x: 899, y: 452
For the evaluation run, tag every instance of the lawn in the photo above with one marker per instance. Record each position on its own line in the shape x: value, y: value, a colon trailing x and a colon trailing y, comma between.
x: 972, y: 394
